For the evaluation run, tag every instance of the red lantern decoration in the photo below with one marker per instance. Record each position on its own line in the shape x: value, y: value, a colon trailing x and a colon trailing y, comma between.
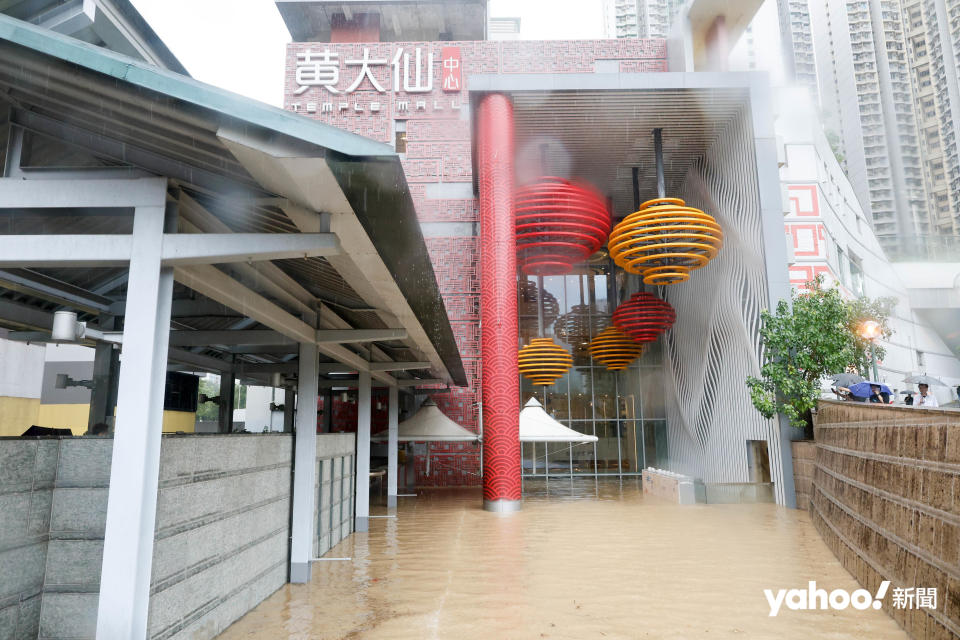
x: 558, y: 225
x: 644, y: 317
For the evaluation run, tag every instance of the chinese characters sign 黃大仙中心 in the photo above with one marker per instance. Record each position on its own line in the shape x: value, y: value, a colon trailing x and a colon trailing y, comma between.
x: 411, y: 74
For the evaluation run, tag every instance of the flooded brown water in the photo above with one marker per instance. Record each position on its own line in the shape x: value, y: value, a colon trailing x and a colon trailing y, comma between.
x: 581, y: 560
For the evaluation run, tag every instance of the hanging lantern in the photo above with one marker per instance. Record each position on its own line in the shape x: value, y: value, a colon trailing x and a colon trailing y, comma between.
x: 576, y: 326
x: 542, y: 361
x: 558, y: 225
x: 614, y: 349
x: 529, y: 297
x: 644, y: 317
x: 665, y: 240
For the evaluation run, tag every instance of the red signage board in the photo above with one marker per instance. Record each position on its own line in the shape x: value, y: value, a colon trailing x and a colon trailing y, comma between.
x: 451, y: 64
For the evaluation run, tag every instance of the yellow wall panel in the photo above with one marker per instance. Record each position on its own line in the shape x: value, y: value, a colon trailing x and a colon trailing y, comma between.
x: 65, y: 416
x: 185, y: 421
x: 17, y: 414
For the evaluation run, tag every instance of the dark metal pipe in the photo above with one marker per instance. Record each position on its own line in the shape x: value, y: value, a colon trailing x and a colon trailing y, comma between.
x: 658, y: 153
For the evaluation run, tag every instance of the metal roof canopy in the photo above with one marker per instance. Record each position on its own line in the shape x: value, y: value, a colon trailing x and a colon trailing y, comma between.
x: 114, y: 24
x: 400, y: 20
x: 598, y: 127
x: 235, y: 166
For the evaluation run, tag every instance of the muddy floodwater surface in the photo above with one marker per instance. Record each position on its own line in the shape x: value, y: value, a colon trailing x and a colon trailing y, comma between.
x: 583, y: 559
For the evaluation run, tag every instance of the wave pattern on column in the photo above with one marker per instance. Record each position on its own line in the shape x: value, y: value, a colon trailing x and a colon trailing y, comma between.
x: 498, y: 301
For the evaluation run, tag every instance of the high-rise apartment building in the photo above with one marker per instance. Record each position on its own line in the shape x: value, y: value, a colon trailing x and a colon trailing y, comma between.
x: 796, y: 34
x: 932, y: 29
x: 641, y: 18
x: 869, y: 97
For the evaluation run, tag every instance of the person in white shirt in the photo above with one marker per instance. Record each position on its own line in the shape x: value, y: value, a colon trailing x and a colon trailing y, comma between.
x: 925, y: 398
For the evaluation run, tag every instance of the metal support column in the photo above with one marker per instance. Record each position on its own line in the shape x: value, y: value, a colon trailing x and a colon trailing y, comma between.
x: 289, y: 398
x: 134, y: 470
x: 106, y: 370
x: 393, y: 413
x: 363, y: 451
x: 327, y: 412
x: 228, y: 384
x: 304, y: 466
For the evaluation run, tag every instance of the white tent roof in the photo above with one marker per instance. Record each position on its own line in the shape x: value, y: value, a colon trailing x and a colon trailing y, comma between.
x: 429, y: 424
x: 537, y: 426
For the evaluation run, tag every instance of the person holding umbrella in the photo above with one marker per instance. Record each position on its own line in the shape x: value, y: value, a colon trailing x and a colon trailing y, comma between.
x: 871, y: 391
x: 925, y: 398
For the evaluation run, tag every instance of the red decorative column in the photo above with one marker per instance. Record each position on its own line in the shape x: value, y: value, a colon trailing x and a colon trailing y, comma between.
x: 498, y: 305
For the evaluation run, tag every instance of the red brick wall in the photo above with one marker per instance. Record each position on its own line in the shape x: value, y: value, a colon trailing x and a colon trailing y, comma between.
x: 439, y: 151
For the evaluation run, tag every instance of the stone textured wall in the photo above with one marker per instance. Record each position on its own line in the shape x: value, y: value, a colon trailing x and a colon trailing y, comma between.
x: 222, y: 533
x: 804, y: 465
x: 28, y: 470
x: 886, y: 499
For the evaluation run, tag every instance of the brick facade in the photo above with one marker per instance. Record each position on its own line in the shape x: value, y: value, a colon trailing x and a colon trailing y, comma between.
x: 438, y: 152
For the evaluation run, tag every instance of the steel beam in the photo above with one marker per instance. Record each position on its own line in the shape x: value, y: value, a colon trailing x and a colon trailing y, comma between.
x: 278, y: 284
x: 422, y: 382
x: 64, y: 250
x: 47, y: 288
x: 255, y: 368
x: 398, y: 366
x: 346, y: 336
x: 27, y: 317
x: 72, y: 194
x: 71, y: 18
x: 351, y: 383
x: 110, y: 250
x: 216, y: 248
x: 187, y: 338
x: 131, y: 154
x: 200, y: 361
x: 217, y: 285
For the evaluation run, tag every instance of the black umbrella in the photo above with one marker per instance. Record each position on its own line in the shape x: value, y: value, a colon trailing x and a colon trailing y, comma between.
x: 846, y: 379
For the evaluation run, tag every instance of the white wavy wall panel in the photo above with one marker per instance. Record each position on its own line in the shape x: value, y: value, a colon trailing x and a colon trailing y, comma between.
x: 714, y: 344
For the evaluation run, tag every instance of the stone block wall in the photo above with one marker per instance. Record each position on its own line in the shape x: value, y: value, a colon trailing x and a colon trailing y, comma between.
x: 28, y: 471
x: 804, y: 463
x: 222, y: 532
x: 886, y: 499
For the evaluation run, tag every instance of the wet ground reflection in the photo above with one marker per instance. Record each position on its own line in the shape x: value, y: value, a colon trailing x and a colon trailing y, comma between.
x: 584, y: 559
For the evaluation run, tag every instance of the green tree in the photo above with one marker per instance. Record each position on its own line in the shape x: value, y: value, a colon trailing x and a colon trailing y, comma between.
x: 814, y: 337
x: 208, y: 410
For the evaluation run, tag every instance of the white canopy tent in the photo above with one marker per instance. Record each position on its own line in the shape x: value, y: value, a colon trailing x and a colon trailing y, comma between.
x: 429, y: 424
x: 537, y: 426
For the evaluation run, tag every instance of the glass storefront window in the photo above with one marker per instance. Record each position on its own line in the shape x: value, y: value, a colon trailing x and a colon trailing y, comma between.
x: 624, y: 409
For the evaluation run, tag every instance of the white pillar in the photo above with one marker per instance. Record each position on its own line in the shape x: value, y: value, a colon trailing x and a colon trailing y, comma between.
x: 393, y: 411
x: 304, y: 467
x: 363, y: 451
x: 135, y: 466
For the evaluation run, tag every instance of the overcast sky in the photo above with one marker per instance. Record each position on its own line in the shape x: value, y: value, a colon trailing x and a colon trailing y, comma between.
x: 239, y: 44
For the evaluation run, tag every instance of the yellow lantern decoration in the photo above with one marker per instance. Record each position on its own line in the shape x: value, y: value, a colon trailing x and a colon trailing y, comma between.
x: 614, y: 349
x: 665, y: 240
x: 542, y: 361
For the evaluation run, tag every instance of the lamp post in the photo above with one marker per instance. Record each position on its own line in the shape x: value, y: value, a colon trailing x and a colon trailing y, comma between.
x: 870, y: 330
